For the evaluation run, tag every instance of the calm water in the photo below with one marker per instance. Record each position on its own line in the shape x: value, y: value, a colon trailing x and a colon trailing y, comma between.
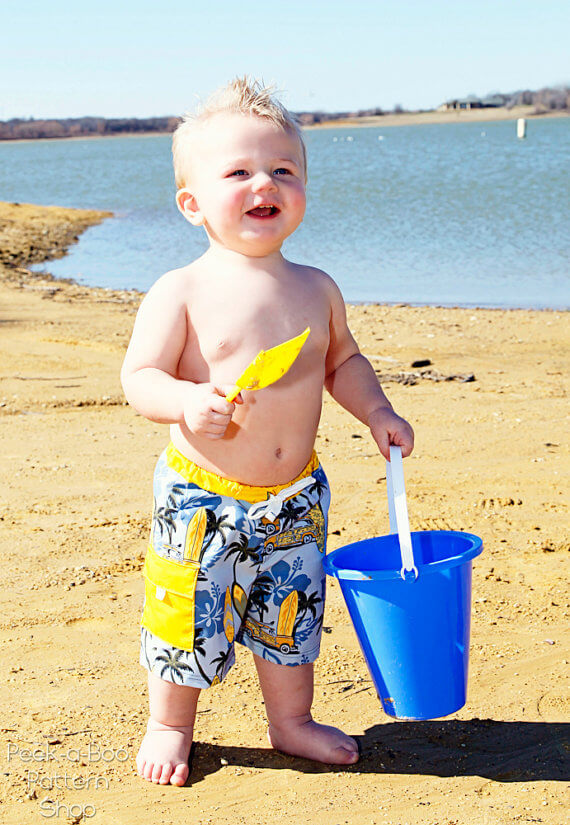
x: 460, y: 214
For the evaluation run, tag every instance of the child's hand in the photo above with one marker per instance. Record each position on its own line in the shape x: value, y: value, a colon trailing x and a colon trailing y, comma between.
x: 388, y: 428
x: 206, y: 411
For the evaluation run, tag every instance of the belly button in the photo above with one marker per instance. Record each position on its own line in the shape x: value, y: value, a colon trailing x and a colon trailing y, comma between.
x: 278, y: 452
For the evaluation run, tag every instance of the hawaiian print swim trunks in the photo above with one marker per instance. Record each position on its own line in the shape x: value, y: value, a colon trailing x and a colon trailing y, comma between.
x: 232, y: 563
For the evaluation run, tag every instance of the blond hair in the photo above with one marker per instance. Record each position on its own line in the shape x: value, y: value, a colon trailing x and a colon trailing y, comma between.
x: 242, y: 95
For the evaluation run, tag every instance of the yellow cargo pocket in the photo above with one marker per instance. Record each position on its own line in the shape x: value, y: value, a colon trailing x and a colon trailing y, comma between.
x: 170, y: 587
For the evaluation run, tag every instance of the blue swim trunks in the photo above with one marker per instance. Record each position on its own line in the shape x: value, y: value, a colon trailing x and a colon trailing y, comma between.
x: 229, y: 563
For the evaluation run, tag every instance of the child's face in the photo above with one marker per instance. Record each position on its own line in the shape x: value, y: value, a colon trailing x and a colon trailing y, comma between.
x: 246, y: 183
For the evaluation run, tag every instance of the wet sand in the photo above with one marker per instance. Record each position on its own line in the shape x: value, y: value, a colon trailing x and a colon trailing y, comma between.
x: 491, y: 458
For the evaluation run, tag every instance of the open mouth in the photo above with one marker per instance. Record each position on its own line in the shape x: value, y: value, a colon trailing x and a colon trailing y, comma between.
x: 263, y: 211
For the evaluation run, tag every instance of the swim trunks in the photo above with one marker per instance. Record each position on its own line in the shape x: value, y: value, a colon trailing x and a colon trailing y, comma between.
x: 229, y: 563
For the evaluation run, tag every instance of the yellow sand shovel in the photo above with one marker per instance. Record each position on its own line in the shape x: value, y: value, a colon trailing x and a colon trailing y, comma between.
x: 269, y: 365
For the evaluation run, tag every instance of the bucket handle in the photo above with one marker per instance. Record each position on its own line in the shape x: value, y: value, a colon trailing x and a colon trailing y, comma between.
x: 398, y: 510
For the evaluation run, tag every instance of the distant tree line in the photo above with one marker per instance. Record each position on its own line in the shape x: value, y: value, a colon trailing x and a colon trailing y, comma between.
x: 543, y: 100
x: 31, y: 129
x: 309, y: 118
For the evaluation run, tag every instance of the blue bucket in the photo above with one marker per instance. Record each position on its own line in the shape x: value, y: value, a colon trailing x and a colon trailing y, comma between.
x: 412, y: 621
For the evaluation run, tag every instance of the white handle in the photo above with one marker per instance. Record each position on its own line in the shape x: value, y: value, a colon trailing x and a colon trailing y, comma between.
x: 398, y: 509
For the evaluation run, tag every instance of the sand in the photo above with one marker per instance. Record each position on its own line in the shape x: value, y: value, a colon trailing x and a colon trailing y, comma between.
x: 437, y: 116
x: 491, y: 458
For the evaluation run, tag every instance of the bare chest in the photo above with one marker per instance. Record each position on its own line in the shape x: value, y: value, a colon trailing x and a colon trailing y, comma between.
x: 228, y: 327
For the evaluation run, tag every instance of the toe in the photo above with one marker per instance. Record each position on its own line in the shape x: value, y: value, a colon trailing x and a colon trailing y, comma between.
x: 165, y: 774
x: 156, y: 772
x: 354, y: 750
x: 180, y: 775
x: 346, y: 756
x: 147, y: 770
x: 353, y: 757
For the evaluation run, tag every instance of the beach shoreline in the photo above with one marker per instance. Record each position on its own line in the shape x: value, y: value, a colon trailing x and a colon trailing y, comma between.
x: 37, y: 234
x: 491, y: 458
x: 442, y: 117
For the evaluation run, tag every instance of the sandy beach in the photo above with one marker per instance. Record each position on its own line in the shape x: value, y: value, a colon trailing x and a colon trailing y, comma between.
x: 491, y: 457
x: 444, y: 116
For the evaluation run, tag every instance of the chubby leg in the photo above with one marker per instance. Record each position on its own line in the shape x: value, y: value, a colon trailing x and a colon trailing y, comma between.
x: 288, y: 695
x: 164, y: 751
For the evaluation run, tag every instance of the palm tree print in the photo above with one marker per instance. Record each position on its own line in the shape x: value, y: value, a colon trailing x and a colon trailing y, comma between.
x: 290, y: 512
x: 146, y: 640
x: 164, y: 516
x: 258, y: 595
x: 216, y: 526
x: 318, y: 487
x: 222, y: 660
x: 306, y: 604
x: 163, y: 519
x: 199, y: 643
x: 242, y: 552
x: 314, y: 492
x: 172, y: 664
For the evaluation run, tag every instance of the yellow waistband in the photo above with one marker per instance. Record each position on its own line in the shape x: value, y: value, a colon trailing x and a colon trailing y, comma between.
x: 224, y: 486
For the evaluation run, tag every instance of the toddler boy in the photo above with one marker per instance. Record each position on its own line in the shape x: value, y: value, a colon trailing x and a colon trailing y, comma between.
x: 241, y: 501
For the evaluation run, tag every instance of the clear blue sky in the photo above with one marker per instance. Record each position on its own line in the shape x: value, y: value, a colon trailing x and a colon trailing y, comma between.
x: 142, y: 57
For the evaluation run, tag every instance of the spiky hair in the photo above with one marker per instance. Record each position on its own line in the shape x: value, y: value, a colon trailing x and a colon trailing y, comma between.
x: 243, y: 95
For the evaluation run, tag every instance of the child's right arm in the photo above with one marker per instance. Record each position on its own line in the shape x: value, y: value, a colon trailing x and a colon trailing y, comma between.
x: 150, y: 369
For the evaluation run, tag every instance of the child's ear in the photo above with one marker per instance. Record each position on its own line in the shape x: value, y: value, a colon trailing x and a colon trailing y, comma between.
x: 188, y: 205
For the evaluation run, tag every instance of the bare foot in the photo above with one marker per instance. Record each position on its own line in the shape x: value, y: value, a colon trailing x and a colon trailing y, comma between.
x: 305, y: 737
x: 163, y: 754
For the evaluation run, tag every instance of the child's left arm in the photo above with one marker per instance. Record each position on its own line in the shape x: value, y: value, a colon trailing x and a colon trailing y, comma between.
x: 351, y: 380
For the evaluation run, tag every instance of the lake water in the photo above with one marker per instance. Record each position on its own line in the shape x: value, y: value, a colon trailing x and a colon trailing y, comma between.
x: 457, y: 214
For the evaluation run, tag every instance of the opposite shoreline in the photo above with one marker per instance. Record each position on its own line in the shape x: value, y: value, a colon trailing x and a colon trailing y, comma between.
x: 433, y: 117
